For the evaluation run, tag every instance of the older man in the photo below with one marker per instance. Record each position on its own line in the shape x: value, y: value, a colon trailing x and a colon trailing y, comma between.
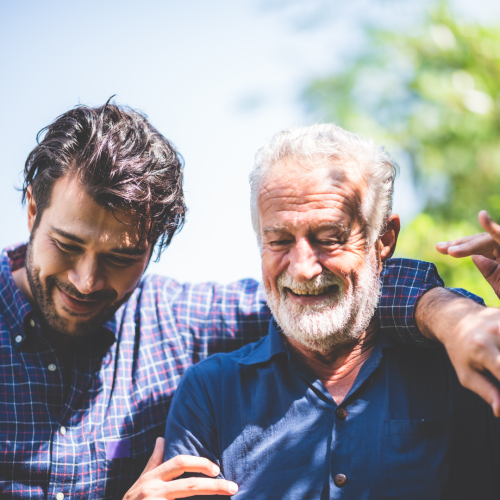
x: 327, y: 405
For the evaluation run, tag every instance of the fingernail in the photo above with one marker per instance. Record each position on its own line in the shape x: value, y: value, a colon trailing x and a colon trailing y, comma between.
x: 216, y: 470
x: 233, y: 487
x: 440, y: 243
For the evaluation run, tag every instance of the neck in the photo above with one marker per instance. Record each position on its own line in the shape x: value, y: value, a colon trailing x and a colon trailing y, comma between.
x: 338, y: 368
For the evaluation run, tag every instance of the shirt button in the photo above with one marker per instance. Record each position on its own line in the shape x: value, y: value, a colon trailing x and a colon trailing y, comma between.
x: 62, y: 430
x: 60, y: 496
x: 19, y: 338
x: 340, y: 480
x: 33, y: 324
x: 52, y: 367
x: 341, y: 413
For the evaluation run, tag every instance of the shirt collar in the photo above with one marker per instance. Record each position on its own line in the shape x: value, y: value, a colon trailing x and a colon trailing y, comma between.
x: 268, y: 347
x: 16, y: 310
x: 272, y: 345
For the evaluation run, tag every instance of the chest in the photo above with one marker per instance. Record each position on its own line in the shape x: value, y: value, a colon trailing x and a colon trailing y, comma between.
x: 380, y: 442
x: 86, y: 424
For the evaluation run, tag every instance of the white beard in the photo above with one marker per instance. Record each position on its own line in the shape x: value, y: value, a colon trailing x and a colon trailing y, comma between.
x: 339, y: 318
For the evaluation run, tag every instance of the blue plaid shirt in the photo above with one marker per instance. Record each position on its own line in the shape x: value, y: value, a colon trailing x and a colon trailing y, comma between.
x: 90, y: 434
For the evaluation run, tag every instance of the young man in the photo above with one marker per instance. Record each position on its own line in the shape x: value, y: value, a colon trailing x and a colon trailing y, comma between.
x: 92, y: 351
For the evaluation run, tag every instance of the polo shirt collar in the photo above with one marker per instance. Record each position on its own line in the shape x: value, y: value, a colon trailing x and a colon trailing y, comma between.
x: 267, y: 348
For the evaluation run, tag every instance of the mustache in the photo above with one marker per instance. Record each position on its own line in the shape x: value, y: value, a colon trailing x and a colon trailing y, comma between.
x: 70, y: 290
x: 323, y: 280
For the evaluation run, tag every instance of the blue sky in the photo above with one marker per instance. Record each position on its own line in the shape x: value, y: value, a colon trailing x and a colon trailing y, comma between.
x: 217, y: 77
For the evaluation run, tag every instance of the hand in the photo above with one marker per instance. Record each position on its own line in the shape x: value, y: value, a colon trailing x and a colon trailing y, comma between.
x: 156, y: 482
x: 484, y: 249
x: 471, y: 335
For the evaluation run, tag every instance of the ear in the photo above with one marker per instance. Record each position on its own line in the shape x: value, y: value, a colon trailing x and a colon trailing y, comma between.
x: 387, y: 242
x: 31, y: 208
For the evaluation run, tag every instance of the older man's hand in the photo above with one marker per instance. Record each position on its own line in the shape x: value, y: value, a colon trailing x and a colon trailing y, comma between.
x: 483, y: 247
x: 158, y: 480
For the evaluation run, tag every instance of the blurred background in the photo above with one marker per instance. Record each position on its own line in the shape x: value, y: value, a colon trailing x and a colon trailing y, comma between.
x: 219, y: 77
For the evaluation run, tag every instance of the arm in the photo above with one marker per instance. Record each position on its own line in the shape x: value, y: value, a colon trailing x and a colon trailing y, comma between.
x: 190, y: 448
x: 221, y: 318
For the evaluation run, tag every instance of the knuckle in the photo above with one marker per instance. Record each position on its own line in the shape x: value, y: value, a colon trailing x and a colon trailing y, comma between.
x: 478, y: 344
x: 180, y: 461
x: 191, y: 484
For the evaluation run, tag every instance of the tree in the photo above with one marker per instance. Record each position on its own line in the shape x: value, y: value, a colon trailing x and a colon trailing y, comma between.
x: 433, y: 96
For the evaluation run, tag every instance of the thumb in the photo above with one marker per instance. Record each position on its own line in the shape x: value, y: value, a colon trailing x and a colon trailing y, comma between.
x: 489, y: 225
x: 490, y: 269
x: 157, y: 456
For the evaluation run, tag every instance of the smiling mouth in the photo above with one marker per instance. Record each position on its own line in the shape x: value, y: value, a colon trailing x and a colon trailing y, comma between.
x: 79, y: 306
x: 313, y: 293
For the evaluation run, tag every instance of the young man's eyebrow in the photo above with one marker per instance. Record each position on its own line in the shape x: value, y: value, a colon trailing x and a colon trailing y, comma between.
x: 130, y: 251
x: 67, y: 235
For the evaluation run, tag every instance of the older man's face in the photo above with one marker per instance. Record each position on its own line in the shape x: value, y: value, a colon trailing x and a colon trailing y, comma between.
x: 321, y: 280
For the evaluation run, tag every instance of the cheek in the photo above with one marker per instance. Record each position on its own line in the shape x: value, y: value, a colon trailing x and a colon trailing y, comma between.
x: 344, y: 264
x: 272, y: 266
x: 125, y: 280
x: 48, y: 259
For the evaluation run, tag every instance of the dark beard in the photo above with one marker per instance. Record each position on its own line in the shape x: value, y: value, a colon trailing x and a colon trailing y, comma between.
x: 43, y: 295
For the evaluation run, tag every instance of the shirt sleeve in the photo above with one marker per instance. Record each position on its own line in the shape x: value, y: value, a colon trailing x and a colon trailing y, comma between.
x: 404, y: 281
x: 216, y: 318
x: 191, y: 425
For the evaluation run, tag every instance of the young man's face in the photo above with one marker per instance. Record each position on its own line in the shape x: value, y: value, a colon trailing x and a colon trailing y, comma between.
x: 83, y: 262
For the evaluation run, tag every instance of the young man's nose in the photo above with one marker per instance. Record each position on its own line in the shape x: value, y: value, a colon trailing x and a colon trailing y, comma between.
x: 86, y: 276
x: 304, y: 263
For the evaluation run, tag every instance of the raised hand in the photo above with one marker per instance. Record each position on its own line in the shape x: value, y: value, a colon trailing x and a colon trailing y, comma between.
x: 483, y: 247
x: 158, y: 480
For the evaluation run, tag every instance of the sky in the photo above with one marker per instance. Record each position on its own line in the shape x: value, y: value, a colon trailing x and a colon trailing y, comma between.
x: 216, y: 77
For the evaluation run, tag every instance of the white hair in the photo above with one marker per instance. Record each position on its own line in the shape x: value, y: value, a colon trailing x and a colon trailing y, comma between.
x: 343, y: 149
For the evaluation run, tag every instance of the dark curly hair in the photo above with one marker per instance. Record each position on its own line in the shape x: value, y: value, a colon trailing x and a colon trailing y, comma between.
x: 121, y: 161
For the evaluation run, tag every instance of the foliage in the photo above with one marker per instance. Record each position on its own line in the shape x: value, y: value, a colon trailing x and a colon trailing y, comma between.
x: 431, y: 95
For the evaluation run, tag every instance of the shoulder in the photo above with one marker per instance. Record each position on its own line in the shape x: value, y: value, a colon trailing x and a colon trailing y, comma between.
x: 224, y: 363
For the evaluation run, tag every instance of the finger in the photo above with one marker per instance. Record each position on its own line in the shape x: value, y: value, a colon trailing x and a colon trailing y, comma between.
x: 489, y: 225
x: 490, y: 269
x: 478, y: 383
x: 442, y: 246
x: 156, y: 458
x: 177, y: 466
x: 183, y: 488
x: 482, y: 244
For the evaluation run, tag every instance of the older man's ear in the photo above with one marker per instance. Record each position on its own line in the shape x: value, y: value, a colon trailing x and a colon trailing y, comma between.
x: 387, y: 242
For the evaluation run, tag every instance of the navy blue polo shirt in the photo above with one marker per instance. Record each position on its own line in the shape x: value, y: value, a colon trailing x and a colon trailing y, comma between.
x: 406, y: 429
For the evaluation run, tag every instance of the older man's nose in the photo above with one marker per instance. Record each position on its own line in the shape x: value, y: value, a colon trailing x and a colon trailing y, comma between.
x: 87, y: 276
x: 304, y: 264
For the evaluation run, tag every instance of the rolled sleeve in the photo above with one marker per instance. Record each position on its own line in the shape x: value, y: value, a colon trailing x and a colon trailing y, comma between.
x: 404, y: 281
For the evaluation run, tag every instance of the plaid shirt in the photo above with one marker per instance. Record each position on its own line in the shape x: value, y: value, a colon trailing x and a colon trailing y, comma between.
x: 85, y: 426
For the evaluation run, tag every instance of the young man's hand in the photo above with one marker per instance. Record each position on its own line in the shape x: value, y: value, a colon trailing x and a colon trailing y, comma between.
x: 158, y: 481
x: 483, y: 247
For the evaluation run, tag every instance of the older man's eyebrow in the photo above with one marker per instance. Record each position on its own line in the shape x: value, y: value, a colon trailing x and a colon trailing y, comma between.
x: 275, y: 229
x: 335, y: 226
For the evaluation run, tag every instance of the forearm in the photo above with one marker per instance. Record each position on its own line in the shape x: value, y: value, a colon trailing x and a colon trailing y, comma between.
x: 439, y: 312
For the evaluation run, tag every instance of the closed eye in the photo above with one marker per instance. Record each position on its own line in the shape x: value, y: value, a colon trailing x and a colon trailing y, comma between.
x: 120, y: 261
x: 67, y: 248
